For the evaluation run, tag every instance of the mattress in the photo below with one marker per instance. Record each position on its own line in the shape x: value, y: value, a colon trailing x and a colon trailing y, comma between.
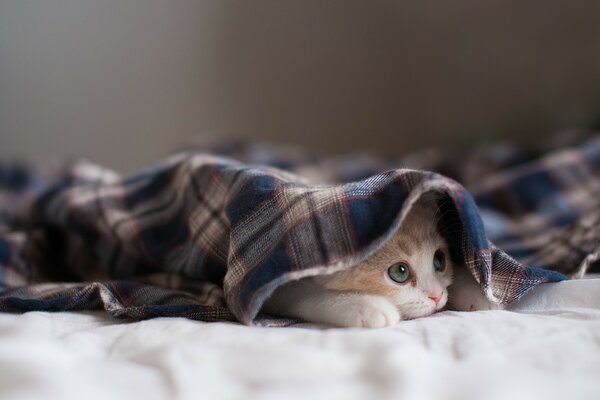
x: 547, y: 347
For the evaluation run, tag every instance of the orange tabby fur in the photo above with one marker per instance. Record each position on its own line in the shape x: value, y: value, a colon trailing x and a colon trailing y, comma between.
x: 404, y: 246
x: 365, y: 295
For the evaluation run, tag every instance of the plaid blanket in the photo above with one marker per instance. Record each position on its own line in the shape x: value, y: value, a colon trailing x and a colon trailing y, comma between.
x: 209, y: 233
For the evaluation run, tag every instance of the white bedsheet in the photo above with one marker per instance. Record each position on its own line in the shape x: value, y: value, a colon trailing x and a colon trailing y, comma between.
x: 549, y: 349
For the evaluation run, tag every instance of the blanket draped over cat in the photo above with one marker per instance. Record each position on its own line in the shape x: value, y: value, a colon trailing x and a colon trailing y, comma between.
x: 209, y: 233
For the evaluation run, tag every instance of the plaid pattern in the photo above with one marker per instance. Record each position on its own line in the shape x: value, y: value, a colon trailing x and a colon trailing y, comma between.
x: 207, y: 237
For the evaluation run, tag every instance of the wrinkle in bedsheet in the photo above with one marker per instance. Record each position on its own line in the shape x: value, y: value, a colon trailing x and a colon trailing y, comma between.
x: 511, y: 355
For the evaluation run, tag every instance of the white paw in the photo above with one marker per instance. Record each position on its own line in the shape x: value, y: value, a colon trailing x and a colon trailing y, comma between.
x: 474, y: 303
x: 367, y: 311
x: 466, y: 295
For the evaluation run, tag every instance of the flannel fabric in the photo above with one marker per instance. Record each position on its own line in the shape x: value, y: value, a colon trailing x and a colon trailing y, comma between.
x: 204, y: 236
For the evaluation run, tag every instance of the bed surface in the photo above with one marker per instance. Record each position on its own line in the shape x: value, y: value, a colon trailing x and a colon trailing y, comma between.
x: 548, y: 349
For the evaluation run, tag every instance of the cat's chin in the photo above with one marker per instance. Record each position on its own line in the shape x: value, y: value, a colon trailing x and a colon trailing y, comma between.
x: 420, y: 314
x: 424, y: 311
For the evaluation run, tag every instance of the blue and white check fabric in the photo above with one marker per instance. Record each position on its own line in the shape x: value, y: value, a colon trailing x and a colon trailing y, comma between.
x: 205, y: 236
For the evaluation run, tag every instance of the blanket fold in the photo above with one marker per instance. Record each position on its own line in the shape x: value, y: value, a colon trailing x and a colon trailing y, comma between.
x: 204, y: 236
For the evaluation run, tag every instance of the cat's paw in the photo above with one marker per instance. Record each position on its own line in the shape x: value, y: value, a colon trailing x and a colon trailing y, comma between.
x: 472, y: 302
x: 465, y: 294
x: 367, y: 311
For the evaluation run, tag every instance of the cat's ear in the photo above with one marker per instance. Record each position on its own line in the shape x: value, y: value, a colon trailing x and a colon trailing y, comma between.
x: 432, y: 199
x: 465, y: 294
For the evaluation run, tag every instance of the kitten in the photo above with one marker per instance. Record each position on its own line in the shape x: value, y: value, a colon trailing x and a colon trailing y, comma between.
x: 406, y: 278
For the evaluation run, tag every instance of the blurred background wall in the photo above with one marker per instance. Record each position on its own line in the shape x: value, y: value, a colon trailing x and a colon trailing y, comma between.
x: 124, y: 82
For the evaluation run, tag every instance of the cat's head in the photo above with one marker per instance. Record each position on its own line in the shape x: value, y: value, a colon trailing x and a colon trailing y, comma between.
x: 413, y: 269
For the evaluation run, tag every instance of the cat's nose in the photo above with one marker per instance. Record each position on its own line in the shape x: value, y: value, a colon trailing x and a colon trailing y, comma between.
x: 435, y: 297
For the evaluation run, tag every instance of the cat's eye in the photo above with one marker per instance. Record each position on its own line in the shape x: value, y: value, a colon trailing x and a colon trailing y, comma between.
x: 399, y: 272
x: 439, y: 261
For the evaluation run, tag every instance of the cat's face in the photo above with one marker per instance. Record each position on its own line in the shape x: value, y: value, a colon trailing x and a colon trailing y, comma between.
x: 413, y: 269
